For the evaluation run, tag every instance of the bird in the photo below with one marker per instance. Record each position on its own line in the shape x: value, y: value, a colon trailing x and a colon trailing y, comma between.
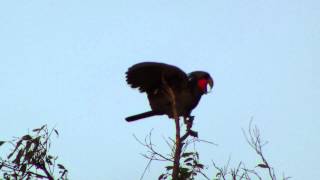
x: 154, y: 79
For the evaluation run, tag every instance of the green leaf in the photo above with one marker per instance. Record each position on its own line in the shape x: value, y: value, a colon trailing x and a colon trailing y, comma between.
x: 48, y: 161
x: 189, y: 164
x: 43, y: 127
x: 184, y: 170
x: 60, y: 166
x: 186, y: 154
x: 36, y: 130
x: 15, y: 149
x: 188, y: 159
x: 29, y: 155
x: 26, y: 137
x: 162, y: 176
x: 2, y: 142
x: 56, y: 131
x: 18, y: 157
x: 28, y: 145
x: 263, y: 165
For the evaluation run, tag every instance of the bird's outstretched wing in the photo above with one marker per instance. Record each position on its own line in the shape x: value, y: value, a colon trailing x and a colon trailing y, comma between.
x: 149, y: 76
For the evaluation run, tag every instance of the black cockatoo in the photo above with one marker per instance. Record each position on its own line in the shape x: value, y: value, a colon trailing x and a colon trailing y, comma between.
x: 153, y: 77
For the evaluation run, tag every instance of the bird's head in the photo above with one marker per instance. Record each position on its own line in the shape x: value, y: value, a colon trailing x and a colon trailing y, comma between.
x: 203, y: 80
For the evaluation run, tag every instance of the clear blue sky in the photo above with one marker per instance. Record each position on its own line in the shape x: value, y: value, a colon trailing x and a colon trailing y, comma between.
x: 62, y: 63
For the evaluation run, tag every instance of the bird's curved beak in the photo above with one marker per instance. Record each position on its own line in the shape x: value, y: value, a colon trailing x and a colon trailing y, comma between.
x: 210, y: 84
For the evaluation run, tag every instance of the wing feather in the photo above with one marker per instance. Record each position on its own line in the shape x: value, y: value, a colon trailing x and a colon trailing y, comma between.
x: 147, y: 76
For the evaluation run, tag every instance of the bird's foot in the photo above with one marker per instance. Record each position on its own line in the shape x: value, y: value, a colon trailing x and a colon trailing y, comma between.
x: 193, y: 133
x: 188, y: 121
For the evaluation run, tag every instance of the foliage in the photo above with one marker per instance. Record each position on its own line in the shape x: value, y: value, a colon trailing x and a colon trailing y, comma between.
x: 30, y: 157
x: 190, y: 167
x: 188, y: 170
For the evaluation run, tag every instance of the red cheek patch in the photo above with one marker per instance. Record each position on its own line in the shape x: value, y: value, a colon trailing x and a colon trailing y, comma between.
x: 202, y: 84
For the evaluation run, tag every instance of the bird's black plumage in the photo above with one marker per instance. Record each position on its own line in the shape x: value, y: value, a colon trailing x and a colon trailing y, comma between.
x: 153, y: 77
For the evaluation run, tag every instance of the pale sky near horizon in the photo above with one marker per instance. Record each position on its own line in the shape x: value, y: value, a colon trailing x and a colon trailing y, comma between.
x: 63, y: 63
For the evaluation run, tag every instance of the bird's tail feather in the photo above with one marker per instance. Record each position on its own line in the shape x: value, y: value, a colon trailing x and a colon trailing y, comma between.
x: 142, y: 115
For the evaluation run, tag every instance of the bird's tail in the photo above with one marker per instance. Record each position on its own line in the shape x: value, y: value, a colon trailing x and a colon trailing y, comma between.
x: 142, y: 115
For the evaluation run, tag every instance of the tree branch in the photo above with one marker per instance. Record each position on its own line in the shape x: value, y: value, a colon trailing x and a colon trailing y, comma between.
x: 178, y: 139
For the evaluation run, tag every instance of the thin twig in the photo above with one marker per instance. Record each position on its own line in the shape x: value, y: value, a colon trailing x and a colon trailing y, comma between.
x: 146, y: 168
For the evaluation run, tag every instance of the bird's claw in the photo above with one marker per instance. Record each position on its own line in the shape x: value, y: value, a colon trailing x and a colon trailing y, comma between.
x: 193, y: 133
